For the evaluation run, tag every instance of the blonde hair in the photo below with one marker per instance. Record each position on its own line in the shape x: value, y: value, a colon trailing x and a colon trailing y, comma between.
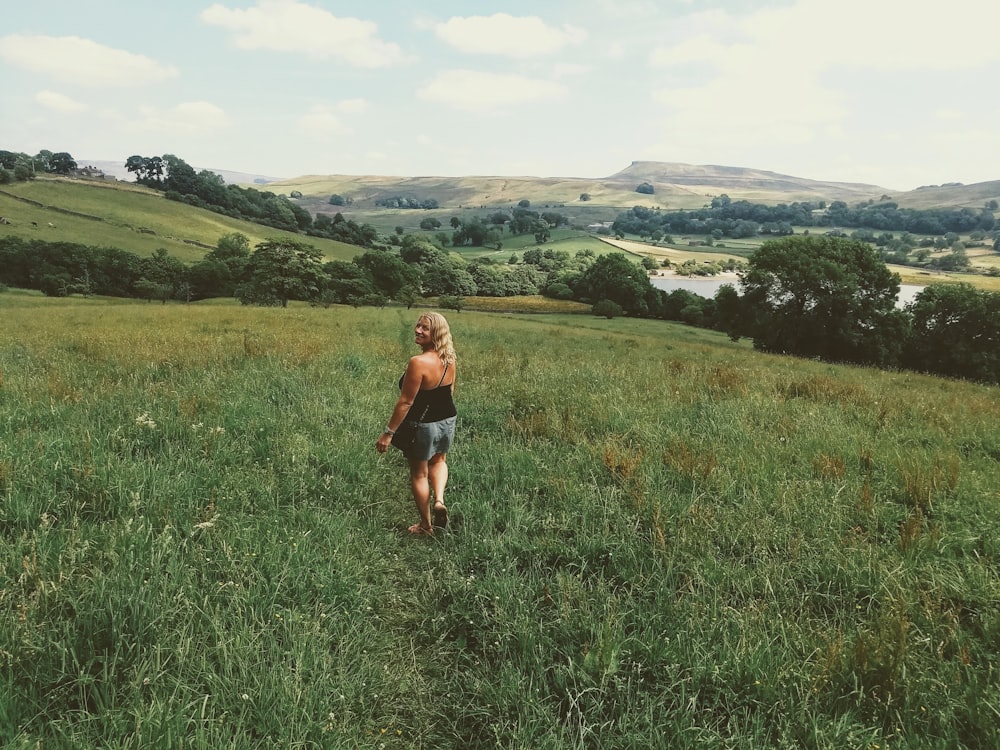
x: 441, y: 336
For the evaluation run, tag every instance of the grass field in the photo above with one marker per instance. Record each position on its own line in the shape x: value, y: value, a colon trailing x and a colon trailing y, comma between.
x: 659, y: 539
x: 117, y: 212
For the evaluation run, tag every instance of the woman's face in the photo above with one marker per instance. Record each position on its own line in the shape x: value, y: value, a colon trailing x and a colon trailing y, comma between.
x: 422, y: 332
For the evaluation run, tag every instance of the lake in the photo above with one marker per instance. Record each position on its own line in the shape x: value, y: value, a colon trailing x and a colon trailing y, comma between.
x: 708, y: 286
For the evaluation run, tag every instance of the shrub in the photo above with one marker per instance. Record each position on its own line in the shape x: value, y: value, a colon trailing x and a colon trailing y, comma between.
x: 608, y: 309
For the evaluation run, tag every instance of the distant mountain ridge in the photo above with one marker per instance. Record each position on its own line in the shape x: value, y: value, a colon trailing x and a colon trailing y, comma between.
x: 738, y: 178
x: 675, y: 185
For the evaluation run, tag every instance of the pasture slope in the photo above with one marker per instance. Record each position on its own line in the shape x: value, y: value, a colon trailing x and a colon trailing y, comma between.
x: 659, y: 538
x: 129, y: 217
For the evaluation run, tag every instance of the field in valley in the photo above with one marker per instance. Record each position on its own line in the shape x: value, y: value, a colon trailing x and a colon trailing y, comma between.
x: 659, y: 538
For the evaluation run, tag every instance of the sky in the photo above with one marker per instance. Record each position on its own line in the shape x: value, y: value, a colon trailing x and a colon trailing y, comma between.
x: 892, y: 93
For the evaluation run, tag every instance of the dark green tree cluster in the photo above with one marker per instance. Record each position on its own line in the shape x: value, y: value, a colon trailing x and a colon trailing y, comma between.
x: 833, y: 299
x: 398, y: 201
x: 59, y: 269
x: 336, y: 227
x: 745, y: 219
x: 487, y: 232
x: 20, y: 167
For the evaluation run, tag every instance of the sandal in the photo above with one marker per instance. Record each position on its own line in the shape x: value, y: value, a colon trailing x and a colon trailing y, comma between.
x: 440, y: 516
x: 418, y: 530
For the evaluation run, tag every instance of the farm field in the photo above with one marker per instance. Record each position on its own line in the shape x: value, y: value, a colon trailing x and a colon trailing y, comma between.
x: 659, y: 538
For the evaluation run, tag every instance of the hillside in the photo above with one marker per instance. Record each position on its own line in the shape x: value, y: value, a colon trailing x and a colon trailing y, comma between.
x: 654, y: 530
x: 129, y: 217
x: 956, y: 195
x: 675, y: 186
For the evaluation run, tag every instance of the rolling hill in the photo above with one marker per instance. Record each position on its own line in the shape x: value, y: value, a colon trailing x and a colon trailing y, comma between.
x: 675, y: 186
x: 129, y: 217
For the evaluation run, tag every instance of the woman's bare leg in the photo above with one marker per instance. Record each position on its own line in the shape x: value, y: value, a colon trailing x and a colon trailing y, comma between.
x: 421, y: 489
x: 437, y: 469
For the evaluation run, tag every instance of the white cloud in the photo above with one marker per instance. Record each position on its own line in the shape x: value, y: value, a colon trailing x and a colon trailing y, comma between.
x: 613, y: 51
x: 629, y: 9
x: 59, y: 102
x: 731, y: 110
x: 509, y: 36
x: 352, y: 106
x: 187, y: 118
x: 290, y: 26
x: 83, y: 62
x: 771, y: 77
x: 820, y: 36
x: 321, y: 122
x: 701, y: 48
x: 563, y: 70
x: 894, y: 35
x: 475, y: 91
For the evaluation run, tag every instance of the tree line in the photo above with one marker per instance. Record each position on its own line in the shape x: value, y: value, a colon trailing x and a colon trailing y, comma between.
x: 20, y: 167
x: 742, y: 218
x: 827, y: 298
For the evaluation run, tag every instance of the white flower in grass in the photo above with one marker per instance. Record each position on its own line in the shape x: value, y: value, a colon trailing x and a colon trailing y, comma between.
x: 144, y: 420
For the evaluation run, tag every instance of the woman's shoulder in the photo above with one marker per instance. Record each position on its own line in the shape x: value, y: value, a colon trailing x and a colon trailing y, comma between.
x: 420, y: 363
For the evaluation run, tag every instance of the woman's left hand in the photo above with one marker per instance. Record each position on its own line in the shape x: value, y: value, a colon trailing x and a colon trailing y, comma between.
x: 383, y: 442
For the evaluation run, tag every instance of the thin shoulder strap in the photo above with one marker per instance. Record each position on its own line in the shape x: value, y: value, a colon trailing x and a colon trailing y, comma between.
x: 442, y: 375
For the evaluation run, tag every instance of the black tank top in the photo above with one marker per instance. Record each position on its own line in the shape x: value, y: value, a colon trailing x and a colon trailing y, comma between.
x: 433, y: 404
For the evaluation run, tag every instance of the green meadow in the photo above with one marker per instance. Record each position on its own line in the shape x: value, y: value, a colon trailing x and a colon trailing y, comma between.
x: 132, y: 218
x: 659, y: 538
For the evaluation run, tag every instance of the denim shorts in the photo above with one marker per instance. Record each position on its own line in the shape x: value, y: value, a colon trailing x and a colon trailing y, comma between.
x: 432, y: 438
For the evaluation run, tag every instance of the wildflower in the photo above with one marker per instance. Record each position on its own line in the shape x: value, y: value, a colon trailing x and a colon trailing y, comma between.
x: 144, y: 420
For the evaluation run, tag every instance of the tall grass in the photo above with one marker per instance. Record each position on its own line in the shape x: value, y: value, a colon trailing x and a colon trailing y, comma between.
x: 658, y: 539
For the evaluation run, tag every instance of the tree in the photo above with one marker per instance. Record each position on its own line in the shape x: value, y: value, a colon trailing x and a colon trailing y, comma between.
x: 614, y: 277
x: 181, y: 177
x: 347, y: 282
x: 388, y: 271
x: 825, y: 297
x: 607, y: 309
x: 282, y: 270
x: 445, y: 278
x: 645, y: 188
x: 222, y: 269
x: 61, y: 163
x: 420, y: 251
x: 955, y: 332
x: 165, y: 270
x: 452, y: 302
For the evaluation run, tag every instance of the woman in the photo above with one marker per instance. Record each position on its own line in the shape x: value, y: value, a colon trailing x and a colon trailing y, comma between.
x: 426, y: 404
